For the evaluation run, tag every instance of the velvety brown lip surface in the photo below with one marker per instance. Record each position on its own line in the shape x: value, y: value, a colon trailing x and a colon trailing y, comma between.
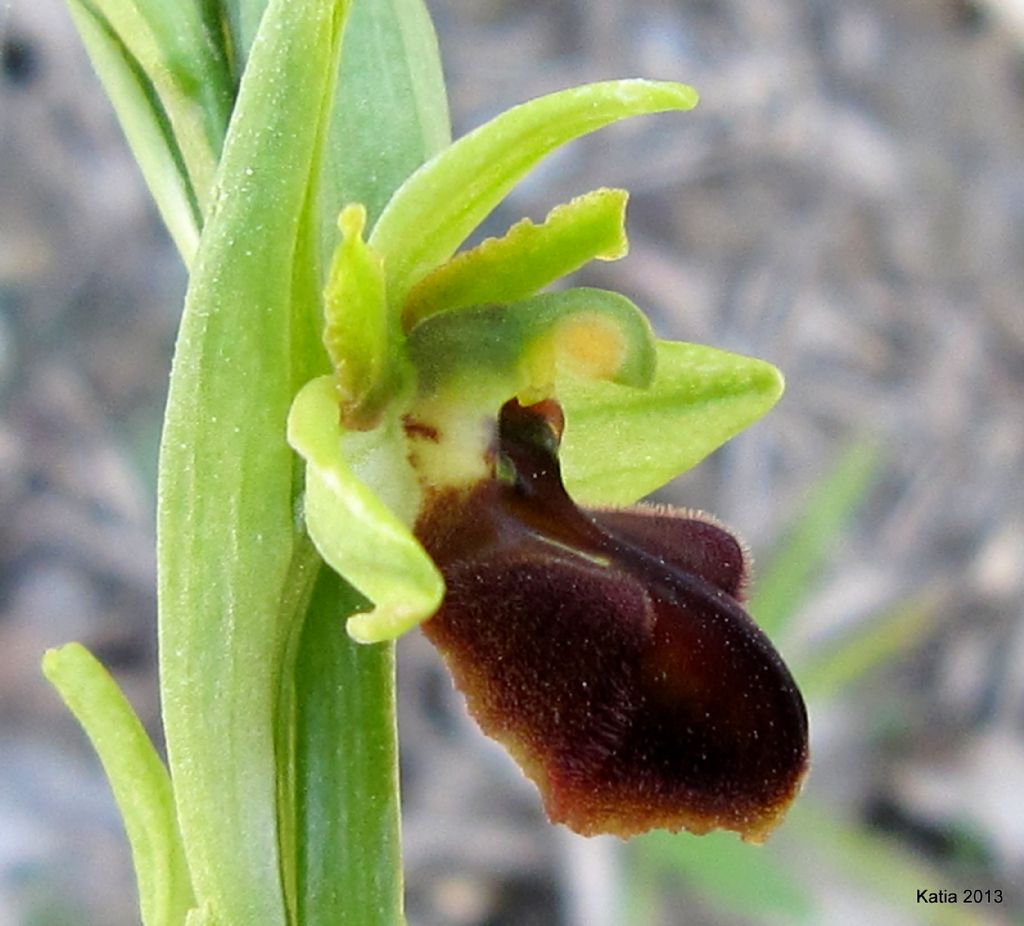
x: 608, y: 650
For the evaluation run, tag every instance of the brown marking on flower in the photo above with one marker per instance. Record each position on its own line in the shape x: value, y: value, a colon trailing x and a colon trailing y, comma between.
x: 607, y: 651
x: 420, y: 429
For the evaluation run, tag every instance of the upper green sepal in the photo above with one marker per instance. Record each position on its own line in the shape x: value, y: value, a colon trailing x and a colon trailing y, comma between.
x: 357, y: 528
x: 440, y: 205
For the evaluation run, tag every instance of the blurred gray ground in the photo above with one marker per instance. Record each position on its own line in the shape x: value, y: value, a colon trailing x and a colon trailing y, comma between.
x: 847, y: 201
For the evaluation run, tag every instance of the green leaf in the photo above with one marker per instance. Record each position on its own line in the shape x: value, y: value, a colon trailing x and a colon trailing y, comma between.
x: 347, y: 770
x: 235, y: 571
x: 745, y: 880
x: 785, y: 581
x: 354, y: 530
x: 435, y: 210
x: 830, y: 669
x: 137, y: 777
x: 622, y: 443
x: 391, y: 111
x: 145, y: 126
x: 185, y: 65
x: 526, y: 258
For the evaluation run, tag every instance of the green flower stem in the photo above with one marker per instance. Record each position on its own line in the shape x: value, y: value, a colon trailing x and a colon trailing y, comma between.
x: 138, y: 778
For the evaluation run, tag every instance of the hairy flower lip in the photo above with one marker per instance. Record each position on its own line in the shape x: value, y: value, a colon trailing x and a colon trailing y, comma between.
x: 617, y: 667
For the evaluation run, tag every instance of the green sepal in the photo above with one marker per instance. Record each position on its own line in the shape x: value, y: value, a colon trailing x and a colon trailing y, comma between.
x: 526, y: 258
x: 355, y: 529
x: 139, y: 780
x: 621, y: 443
x: 439, y: 206
x: 362, y: 339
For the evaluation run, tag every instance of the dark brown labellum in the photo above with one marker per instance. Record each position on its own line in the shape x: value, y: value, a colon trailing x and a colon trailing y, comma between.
x: 608, y: 650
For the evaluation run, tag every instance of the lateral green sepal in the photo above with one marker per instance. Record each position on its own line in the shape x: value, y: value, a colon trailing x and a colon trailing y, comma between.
x: 621, y: 443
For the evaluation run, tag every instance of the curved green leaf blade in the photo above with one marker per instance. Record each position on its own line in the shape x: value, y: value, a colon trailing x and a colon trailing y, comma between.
x: 234, y: 567
x: 435, y: 210
x: 137, y: 777
x: 526, y: 258
x: 145, y: 126
x: 622, y: 443
x: 354, y: 530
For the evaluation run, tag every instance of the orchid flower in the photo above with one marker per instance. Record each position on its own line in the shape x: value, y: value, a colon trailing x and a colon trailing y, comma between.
x: 605, y: 647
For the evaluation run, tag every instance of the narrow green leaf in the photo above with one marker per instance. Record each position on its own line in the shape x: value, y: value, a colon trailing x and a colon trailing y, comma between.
x: 186, y: 66
x: 434, y: 211
x: 353, y: 528
x: 526, y: 258
x: 350, y: 871
x: 137, y: 777
x: 622, y: 443
x: 235, y: 572
x: 783, y: 584
x: 746, y: 880
x: 391, y: 111
x: 145, y: 126
x: 828, y: 670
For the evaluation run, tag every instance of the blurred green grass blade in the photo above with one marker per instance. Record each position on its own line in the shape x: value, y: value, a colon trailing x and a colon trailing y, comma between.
x: 137, y: 777
x: 346, y: 769
x: 146, y: 127
x: 187, y: 68
x: 391, y: 110
x: 828, y: 670
x: 782, y: 586
x: 439, y: 206
x: 234, y: 569
x: 734, y: 876
x: 878, y: 866
x: 622, y: 443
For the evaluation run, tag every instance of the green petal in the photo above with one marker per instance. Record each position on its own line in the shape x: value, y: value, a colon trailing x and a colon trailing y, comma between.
x: 361, y: 339
x: 137, y: 777
x: 526, y: 258
x: 622, y: 443
x: 438, y: 207
x: 354, y: 529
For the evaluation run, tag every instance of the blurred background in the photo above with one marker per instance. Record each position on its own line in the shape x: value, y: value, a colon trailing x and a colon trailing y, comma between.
x: 847, y: 202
